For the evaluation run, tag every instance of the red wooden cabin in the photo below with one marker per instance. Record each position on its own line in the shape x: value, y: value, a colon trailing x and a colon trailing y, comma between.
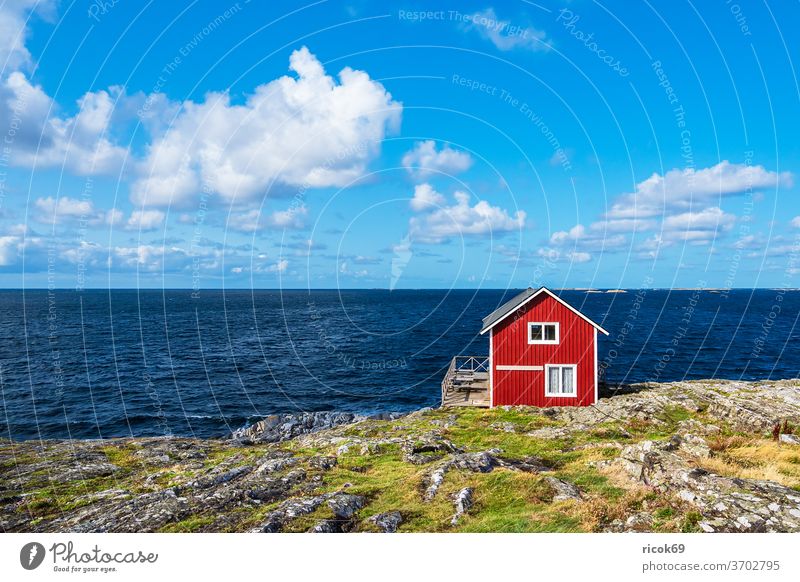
x: 543, y: 352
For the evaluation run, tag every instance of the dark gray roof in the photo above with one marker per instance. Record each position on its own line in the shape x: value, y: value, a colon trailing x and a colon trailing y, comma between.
x: 507, y: 307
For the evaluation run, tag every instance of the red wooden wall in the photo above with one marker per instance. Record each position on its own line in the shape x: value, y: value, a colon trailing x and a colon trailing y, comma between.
x: 510, y: 348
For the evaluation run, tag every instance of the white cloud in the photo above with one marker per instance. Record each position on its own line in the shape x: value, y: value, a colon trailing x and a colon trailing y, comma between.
x: 150, y: 258
x: 701, y: 225
x: 623, y: 225
x: 679, y: 190
x: 344, y: 269
x: 43, y: 139
x: 578, y: 243
x: 750, y: 241
x: 65, y: 209
x: 29, y: 119
x: 17, y: 242
x: 796, y: 222
x: 49, y: 209
x: 14, y: 15
x: 579, y: 257
x: 424, y: 160
x: 293, y: 218
x: 10, y: 248
x: 425, y: 197
x: 680, y: 206
x: 692, y: 228
x: 504, y: 34
x: 578, y: 235
x: 247, y: 221
x: 113, y: 216
x: 279, y: 267
x: 142, y: 220
x: 308, y: 130
x: 461, y: 219
x: 555, y: 255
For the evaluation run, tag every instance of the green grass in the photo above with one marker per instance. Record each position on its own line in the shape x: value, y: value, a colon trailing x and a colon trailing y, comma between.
x: 194, y: 523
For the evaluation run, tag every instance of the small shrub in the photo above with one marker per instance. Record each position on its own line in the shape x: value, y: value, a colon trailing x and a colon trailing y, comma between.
x: 782, y: 428
x: 721, y: 443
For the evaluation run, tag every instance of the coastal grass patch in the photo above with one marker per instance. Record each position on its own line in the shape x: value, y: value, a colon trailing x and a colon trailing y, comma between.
x: 124, y: 457
x: 673, y: 414
x: 591, y: 481
x: 388, y: 483
x: 510, y: 501
x: 190, y: 524
x: 689, y: 522
x: 515, y: 445
x: 757, y: 459
x: 521, y: 418
x: 606, y: 431
x: 14, y: 458
x: 606, y: 503
x: 55, y: 498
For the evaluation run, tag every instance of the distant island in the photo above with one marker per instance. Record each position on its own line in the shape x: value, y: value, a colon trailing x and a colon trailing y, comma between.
x: 699, y: 456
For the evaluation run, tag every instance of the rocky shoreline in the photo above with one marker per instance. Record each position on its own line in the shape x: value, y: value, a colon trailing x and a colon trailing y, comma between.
x: 705, y: 456
x: 281, y: 427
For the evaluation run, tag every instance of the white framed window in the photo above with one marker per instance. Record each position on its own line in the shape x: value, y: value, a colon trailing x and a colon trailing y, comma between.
x: 561, y: 380
x: 543, y: 332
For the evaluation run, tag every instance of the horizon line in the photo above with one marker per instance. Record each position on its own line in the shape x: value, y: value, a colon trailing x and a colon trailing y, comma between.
x: 586, y: 289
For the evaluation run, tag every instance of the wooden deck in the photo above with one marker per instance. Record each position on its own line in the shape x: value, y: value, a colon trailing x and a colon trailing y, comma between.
x: 466, y: 382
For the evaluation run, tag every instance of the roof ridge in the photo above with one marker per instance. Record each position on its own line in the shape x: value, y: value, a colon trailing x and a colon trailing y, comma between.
x: 520, y: 299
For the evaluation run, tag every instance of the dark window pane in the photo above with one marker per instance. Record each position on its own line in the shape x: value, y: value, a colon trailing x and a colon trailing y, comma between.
x: 550, y: 333
x: 536, y: 333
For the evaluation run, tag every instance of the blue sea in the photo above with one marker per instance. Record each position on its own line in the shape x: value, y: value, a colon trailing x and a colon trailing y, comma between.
x: 152, y: 362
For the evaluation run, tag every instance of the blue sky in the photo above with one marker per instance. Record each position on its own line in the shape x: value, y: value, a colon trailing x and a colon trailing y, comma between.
x: 404, y: 145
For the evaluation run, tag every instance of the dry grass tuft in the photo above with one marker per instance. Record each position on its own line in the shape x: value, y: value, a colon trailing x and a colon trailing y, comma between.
x: 720, y: 443
x: 757, y: 459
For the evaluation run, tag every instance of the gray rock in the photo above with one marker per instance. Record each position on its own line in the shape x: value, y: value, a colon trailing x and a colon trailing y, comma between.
x: 281, y: 427
x: 81, y: 471
x: 371, y: 448
x: 289, y: 510
x: 482, y: 462
x: 464, y: 500
x: 323, y: 463
x: 274, y: 463
x: 641, y: 521
x: 526, y: 464
x: 387, y: 522
x: 550, y: 432
x: 790, y: 439
x: 427, y: 449
x: 694, y: 445
x: 345, y: 506
x: 435, y: 480
x: 503, y: 426
x: 726, y: 504
x: 275, y: 489
x: 326, y: 526
x: 563, y: 489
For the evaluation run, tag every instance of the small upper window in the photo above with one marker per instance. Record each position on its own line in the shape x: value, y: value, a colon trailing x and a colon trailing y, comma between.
x: 542, y: 333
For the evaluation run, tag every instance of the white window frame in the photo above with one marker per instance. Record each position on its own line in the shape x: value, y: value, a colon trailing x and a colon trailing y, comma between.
x: 547, y: 391
x: 544, y: 341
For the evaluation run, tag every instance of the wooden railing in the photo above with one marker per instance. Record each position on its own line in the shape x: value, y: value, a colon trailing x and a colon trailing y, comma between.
x: 461, y: 366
